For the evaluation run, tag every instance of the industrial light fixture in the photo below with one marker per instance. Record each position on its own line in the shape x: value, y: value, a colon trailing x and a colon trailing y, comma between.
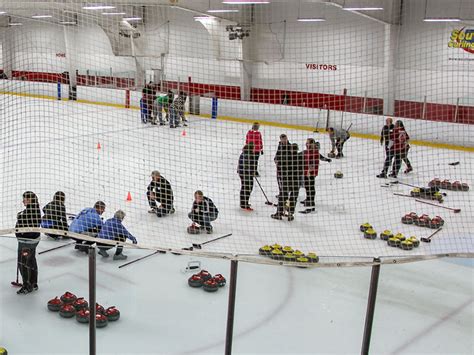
x: 98, y: 7
x: 2, y: 12
x: 203, y: 18
x: 15, y: 24
x: 454, y: 19
x: 361, y: 8
x: 41, y: 16
x: 68, y: 22
x: 131, y: 18
x: 221, y: 10
x: 114, y: 13
x: 245, y: 2
x: 309, y: 19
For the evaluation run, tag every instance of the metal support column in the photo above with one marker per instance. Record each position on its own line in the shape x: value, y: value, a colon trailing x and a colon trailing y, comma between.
x: 369, y: 317
x: 231, y: 307
x: 92, y: 300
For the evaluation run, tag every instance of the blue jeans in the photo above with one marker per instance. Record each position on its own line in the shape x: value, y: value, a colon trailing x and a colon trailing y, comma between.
x: 203, y: 219
x: 159, y: 109
x: 174, y: 118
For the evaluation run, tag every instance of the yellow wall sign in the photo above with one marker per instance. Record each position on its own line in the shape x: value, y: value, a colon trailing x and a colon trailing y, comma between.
x: 462, y: 38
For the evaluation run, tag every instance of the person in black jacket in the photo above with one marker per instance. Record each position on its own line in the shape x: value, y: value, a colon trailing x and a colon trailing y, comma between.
x: 247, y: 170
x: 386, y: 139
x: 55, y: 215
x: 283, y: 147
x: 203, y: 212
x: 28, y: 241
x: 291, y: 173
x: 159, y: 191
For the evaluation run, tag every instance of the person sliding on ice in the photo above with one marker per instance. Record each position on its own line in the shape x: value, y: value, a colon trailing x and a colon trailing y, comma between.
x: 113, y: 229
x: 27, y: 242
x: 88, y: 222
x: 255, y: 137
x: 400, y: 148
x: 312, y: 156
x: 283, y: 147
x: 203, y: 212
x: 55, y: 215
x: 291, y: 171
x: 337, y: 137
x: 247, y: 170
x: 159, y: 191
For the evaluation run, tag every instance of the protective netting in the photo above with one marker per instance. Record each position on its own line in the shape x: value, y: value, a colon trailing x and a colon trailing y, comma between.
x: 96, y: 103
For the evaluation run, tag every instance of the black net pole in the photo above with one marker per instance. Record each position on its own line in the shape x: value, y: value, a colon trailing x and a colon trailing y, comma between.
x: 369, y: 317
x: 92, y: 300
x: 231, y: 307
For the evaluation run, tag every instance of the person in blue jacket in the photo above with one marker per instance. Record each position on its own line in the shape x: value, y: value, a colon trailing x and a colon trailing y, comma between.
x: 88, y: 222
x: 113, y: 229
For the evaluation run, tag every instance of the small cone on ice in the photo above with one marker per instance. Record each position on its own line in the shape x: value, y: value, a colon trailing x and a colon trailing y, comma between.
x: 129, y: 197
x: 183, y: 133
x: 98, y: 146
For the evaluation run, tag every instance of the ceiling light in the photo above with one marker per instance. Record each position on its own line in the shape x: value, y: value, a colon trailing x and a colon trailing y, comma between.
x: 98, y: 7
x: 2, y: 12
x: 203, y: 18
x: 442, y: 19
x: 68, y: 22
x: 314, y: 19
x: 131, y: 18
x: 113, y: 13
x: 41, y: 16
x: 222, y: 10
x: 245, y: 2
x: 362, y: 8
x: 15, y: 24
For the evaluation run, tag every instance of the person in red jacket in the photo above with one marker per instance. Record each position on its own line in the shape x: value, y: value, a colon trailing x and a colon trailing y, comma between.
x: 400, y: 148
x: 255, y: 137
x: 311, y: 158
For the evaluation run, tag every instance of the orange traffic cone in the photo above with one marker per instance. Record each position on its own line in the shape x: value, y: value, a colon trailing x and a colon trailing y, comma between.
x: 98, y: 146
x: 183, y: 133
x: 129, y: 197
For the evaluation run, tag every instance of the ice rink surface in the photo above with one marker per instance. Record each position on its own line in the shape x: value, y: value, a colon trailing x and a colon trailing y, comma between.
x: 423, y: 307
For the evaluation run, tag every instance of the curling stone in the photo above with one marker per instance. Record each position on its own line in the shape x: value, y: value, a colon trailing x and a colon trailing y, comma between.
x: 298, y: 253
x: 424, y: 221
x: 82, y: 316
x: 338, y: 175
x: 80, y: 303
x: 414, y: 241
x: 277, y: 254
x: 112, y: 314
x: 193, y: 229
x: 55, y: 304
x: 456, y: 186
x: 393, y: 242
x: 331, y: 155
x: 446, y: 184
x: 68, y: 297
x: 99, y: 309
x: 67, y: 311
x: 365, y: 226
x: 435, y: 182
x: 289, y: 257
x: 210, y: 285
x: 406, y: 245
x: 386, y: 235
x: 195, y: 281
x: 436, y: 222
x: 276, y: 246
x: 205, y: 275
x: 221, y: 281
x: 3, y: 351
x: 312, y: 257
x: 287, y: 250
x: 266, y: 250
x: 416, y: 192
x: 464, y: 186
x: 101, y: 320
x: 302, y: 260
x: 400, y: 237
x: 370, y: 234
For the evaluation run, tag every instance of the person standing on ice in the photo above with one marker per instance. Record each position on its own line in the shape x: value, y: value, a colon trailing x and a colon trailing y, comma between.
x: 311, y: 157
x: 113, y: 229
x: 283, y: 148
x: 400, y: 148
x: 255, y: 137
x: 247, y: 170
x: 160, y: 195
x: 55, y: 214
x: 27, y: 242
x: 203, y: 212
x: 337, y: 137
x: 88, y: 222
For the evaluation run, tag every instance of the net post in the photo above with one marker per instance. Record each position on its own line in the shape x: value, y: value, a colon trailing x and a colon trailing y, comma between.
x: 369, y: 317
x: 92, y: 300
x: 231, y: 307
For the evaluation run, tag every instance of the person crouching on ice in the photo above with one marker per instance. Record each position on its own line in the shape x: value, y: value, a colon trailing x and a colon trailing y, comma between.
x: 202, y: 213
x: 88, y: 222
x: 113, y: 229
x: 160, y: 195
x: 55, y: 215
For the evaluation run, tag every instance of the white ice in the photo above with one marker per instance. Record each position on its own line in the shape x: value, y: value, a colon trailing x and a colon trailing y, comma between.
x: 423, y: 307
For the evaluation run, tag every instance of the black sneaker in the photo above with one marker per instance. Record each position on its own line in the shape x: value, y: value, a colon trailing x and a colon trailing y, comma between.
x: 382, y: 176
x: 35, y: 287
x: 209, y: 230
x: 393, y: 175
x: 290, y: 217
x: 24, y: 290
x: 276, y: 216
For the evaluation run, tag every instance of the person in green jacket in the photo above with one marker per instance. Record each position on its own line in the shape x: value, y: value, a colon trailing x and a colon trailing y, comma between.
x: 163, y: 102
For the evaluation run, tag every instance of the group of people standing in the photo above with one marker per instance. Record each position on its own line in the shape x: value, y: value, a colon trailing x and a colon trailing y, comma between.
x: 293, y: 170
x: 152, y: 107
x: 395, y: 139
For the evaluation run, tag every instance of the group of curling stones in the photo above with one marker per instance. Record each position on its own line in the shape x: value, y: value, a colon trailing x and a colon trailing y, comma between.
x: 288, y: 254
x: 448, y: 185
x: 68, y: 306
x: 423, y: 221
x: 393, y: 240
x: 208, y: 282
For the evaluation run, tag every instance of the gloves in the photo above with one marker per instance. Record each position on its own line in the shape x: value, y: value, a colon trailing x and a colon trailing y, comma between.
x: 134, y: 240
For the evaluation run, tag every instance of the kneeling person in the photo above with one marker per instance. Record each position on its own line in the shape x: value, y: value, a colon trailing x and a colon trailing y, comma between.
x: 113, y: 229
x: 202, y: 213
x: 88, y: 222
x: 160, y: 195
x: 55, y: 215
